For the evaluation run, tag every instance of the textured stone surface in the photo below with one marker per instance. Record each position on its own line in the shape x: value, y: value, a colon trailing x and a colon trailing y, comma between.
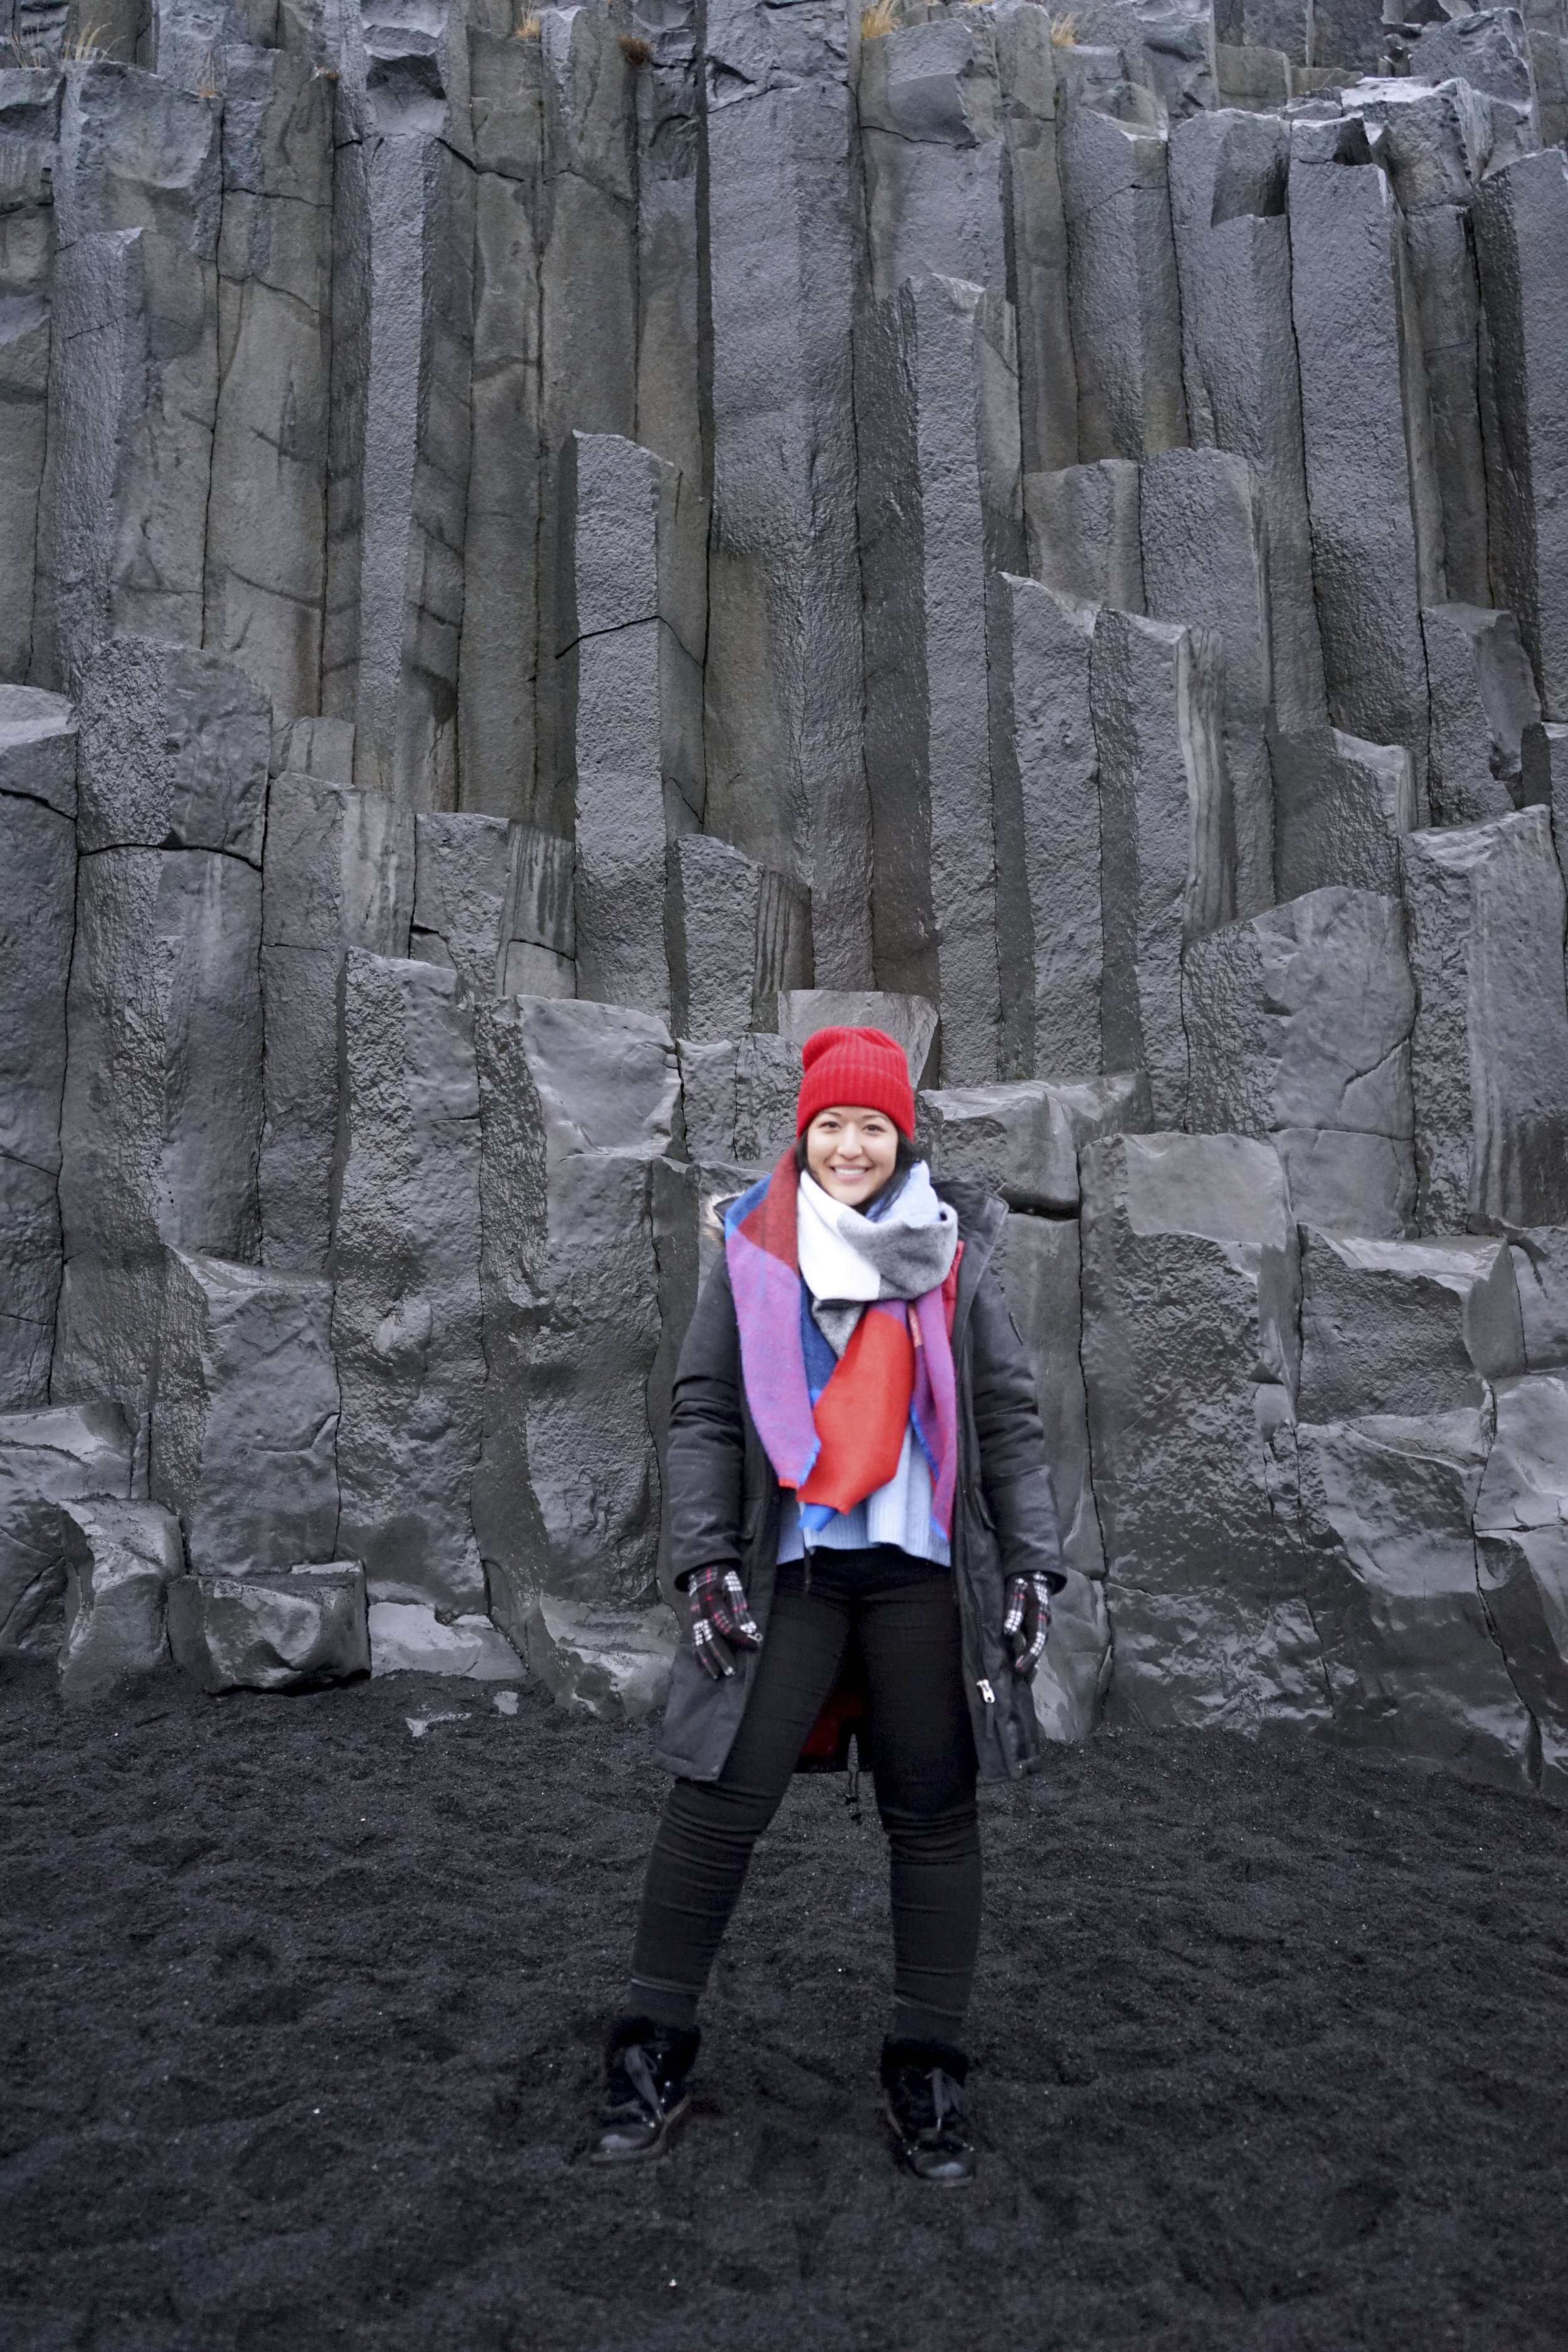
x: 38, y: 747
x: 274, y: 1630
x: 47, y: 1457
x: 577, y: 1101
x: 1351, y: 298
x: 737, y: 935
x: 1189, y: 1320
x: 1021, y: 1141
x: 1075, y: 1672
x: 1238, y: 359
x: 1301, y: 1018
x: 1121, y: 274
x: 245, y: 1414
x: 1408, y: 1328
x: 1036, y: 1262
x: 1339, y: 806
x: 174, y: 750
x: 160, y: 1128
x: 406, y: 1317
x: 1525, y: 1483
x: 1490, y: 1051
x: 338, y: 873
x: 609, y: 1663
x: 1523, y: 1580
x: 121, y: 1560
x: 1521, y: 238
x: 541, y: 951
x: 1039, y: 660
x: 781, y: 245
x: 1165, y: 851
x: 630, y: 689
x: 1540, y: 1272
x: 941, y: 513
x: 1483, y: 697
x: 463, y: 876
x: 1389, y: 1559
x: 408, y: 1639
x: 1082, y: 526
x: 1206, y: 561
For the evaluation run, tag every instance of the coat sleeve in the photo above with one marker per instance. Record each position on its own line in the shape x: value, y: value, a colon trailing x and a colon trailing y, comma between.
x: 706, y: 1457
x: 1013, y: 1469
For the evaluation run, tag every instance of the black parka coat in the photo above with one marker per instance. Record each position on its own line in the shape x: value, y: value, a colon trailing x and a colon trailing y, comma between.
x: 724, y: 1501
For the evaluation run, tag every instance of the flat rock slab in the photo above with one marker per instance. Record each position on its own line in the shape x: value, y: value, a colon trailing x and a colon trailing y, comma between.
x: 1526, y: 1480
x: 407, y: 1638
x: 121, y: 1560
x: 1408, y: 1327
x: 271, y: 1631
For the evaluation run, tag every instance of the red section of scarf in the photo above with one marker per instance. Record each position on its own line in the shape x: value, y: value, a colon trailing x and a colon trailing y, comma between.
x: 864, y: 1410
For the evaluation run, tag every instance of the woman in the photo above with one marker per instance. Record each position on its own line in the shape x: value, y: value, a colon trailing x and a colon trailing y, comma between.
x: 856, y: 1476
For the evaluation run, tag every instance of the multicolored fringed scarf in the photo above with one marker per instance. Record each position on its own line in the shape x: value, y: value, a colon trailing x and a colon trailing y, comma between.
x: 832, y: 1418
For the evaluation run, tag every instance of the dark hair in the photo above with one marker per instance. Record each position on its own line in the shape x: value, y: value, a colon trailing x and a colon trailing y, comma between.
x: 903, y: 1161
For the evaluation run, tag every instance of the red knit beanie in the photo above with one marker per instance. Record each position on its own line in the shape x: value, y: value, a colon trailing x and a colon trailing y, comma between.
x: 864, y: 1067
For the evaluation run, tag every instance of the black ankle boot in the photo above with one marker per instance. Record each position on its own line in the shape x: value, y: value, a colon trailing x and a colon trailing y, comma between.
x: 923, y: 2080
x: 645, y: 2096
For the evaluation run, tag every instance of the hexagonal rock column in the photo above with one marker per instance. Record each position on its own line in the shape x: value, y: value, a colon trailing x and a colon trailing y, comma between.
x: 1520, y: 217
x: 1189, y: 1320
x: 338, y: 873
x: 1406, y: 1328
x: 245, y: 1414
x: 162, y: 1116
x: 629, y: 689
x: 37, y: 920
x: 134, y: 376
x: 1483, y: 699
x: 1081, y: 523
x: 737, y: 935
x: 1167, y: 865
x: 121, y: 1560
x: 175, y: 749
x: 274, y: 1631
x: 1389, y: 1559
x: 1039, y: 660
x: 47, y: 1457
x: 958, y: 134
x: 782, y: 247
x: 1340, y: 807
x: 1238, y: 359
x: 1355, y: 342
x: 578, y: 1100
x: 405, y: 1260
x: 941, y: 514
x: 1121, y: 279
x: 1202, y: 524
x: 1489, y: 1051
x: 1299, y: 1028
x: 462, y: 886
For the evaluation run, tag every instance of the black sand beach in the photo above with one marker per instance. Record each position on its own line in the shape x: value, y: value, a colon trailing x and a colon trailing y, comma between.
x: 301, y: 2013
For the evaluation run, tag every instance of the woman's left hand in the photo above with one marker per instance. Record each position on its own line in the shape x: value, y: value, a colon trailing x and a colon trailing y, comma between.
x: 1026, y: 1627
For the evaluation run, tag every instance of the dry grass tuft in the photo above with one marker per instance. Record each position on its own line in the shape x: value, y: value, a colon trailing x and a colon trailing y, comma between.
x: 880, y: 17
x: 88, y: 43
x: 636, y: 51
x: 1064, y: 32
x: 528, y: 30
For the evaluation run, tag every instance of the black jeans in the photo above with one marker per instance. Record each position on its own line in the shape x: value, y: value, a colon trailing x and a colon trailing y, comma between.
x: 905, y: 1615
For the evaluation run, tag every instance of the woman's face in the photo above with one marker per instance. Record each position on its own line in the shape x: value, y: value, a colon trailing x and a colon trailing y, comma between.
x: 851, y: 1152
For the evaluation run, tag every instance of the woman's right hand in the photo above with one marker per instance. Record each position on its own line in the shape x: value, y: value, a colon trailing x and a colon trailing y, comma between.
x: 721, y: 1619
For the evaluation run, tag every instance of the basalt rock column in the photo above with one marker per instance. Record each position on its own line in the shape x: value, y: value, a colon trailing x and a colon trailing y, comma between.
x: 1166, y: 865
x: 1121, y: 271
x: 578, y: 1101
x: 134, y: 368
x: 37, y: 916
x: 1521, y: 234
x: 783, y: 249
x: 629, y: 689
x: 941, y: 516
x: 29, y: 127
x: 1370, y: 488
x: 1243, y: 387
x: 1491, y: 1043
x: 405, y: 1260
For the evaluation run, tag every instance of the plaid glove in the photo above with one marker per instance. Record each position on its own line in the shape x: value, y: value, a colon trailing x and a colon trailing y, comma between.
x: 721, y: 1619
x: 1026, y: 1627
